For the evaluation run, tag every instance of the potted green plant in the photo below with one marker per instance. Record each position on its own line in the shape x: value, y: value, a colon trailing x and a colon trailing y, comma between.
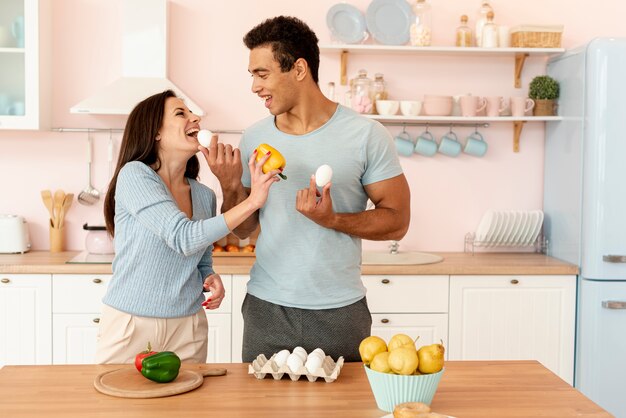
x: 544, y: 90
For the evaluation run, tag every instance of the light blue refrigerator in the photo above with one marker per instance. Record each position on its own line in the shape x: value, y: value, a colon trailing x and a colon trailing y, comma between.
x: 585, y: 209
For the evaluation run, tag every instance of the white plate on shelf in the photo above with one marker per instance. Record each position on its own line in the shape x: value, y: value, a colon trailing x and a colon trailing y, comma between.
x: 537, y: 216
x: 515, y: 224
x: 483, y: 226
x: 389, y: 21
x: 504, y: 227
x: 495, y: 228
x: 346, y: 23
x: 528, y: 229
x: 521, y: 229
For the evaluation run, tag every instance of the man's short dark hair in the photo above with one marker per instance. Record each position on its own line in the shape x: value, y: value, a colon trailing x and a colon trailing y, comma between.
x: 290, y: 39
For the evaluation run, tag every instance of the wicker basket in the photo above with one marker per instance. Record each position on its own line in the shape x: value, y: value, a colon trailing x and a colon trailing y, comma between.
x: 536, y: 36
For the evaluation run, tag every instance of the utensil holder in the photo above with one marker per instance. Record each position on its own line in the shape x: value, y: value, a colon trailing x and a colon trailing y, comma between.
x: 56, y: 239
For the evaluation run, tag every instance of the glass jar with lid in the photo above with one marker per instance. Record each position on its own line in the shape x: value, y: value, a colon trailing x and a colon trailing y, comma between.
x: 463, y: 33
x: 380, y: 89
x: 362, y: 97
x: 481, y: 19
x: 421, y: 28
x: 490, y: 33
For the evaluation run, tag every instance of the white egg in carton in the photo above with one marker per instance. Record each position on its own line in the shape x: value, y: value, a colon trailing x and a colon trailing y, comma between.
x: 262, y: 366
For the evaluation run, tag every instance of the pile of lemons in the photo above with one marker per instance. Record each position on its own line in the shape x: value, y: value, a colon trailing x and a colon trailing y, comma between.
x: 401, y: 356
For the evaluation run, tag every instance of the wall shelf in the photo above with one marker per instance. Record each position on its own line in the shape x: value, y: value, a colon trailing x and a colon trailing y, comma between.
x: 518, y: 54
x: 518, y: 122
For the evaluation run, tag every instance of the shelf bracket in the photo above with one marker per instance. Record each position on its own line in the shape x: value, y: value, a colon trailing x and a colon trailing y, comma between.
x: 517, y: 131
x: 520, y: 57
x: 344, y: 68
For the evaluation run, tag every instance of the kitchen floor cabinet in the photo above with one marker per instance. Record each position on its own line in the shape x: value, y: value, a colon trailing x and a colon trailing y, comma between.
x: 76, y: 307
x: 412, y: 305
x: 25, y: 319
x: 25, y: 51
x: 514, y: 318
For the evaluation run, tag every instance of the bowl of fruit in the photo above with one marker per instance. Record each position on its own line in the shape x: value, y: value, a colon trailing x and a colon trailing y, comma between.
x: 398, y: 372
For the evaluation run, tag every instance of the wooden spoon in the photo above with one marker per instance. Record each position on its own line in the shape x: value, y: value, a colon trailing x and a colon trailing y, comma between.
x: 46, y: 196
x: 67, y: 202
x: 59, y: 196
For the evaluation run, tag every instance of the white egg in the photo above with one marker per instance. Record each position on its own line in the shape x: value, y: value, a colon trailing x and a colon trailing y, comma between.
x: 204, y: 137
x: 301, y: 352
x: 281, y: 357
x: 313, y: 363
x: 323, y: 175
x: 294, y: 362
x: 319, y: 351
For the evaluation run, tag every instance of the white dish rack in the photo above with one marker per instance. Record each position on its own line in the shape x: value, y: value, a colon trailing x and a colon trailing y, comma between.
x: 508, y: 228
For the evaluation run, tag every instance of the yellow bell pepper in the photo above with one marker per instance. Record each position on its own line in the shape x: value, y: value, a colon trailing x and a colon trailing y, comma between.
x: 275, y: 162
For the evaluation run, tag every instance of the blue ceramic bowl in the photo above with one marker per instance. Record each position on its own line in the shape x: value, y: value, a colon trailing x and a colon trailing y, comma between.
x: 393, y: 389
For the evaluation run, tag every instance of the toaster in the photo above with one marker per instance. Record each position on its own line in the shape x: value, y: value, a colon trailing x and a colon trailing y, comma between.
x: 14, y: 237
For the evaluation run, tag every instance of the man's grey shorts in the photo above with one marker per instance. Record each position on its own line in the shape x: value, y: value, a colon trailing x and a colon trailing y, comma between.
x: 269, y: 328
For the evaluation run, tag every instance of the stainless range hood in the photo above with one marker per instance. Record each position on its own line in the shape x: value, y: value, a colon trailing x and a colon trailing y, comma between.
x: 144, y: 62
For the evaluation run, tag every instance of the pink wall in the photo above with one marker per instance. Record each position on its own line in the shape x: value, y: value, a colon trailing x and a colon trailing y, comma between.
x: 208, y: 61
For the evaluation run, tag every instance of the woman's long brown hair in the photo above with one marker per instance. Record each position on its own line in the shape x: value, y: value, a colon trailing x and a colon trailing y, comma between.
x: 139, y: 144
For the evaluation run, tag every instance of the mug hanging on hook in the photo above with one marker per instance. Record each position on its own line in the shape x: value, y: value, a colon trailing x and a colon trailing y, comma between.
x: 404, y: 143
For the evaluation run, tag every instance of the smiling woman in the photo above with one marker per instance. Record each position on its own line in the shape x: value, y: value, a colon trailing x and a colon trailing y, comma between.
x: 165, y: 223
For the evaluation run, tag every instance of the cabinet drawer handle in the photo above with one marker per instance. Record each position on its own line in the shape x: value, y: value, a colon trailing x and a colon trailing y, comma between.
x: 385, y: 281
x: 613, y: 304
x: 384, y: 321
x: 5, y: 280
x: 96, y: 320
x: 97, y: 280
x: 514, y: 281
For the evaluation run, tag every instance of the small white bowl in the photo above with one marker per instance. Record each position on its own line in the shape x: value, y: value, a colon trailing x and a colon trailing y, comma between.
x: 387, y: 107
x: 410, y: 107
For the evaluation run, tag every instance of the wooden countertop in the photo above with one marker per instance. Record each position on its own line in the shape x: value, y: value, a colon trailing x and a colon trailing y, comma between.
x: 479, y: 389
x: 453, y: 263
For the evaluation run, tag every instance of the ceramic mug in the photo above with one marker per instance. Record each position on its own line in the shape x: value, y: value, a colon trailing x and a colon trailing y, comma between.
x: 450, y: 145
x: 426, y: 144
x: 521, y: 105
x: 475, y: 145
x: 5, y: 103
x: 404, y: 144
x: 16, y: 109
x: 471, y: 105
x: 17, y: 29
x: 495, y: 105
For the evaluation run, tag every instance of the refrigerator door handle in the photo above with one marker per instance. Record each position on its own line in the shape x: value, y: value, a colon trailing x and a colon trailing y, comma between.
x: 611, y: 258
x: 613, y: 304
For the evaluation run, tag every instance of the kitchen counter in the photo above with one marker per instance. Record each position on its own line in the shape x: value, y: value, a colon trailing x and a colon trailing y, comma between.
x: 36, y: 262
x: 479, y: 389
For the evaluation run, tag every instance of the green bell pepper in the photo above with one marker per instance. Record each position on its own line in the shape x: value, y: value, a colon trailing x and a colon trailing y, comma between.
x: 161, y: 367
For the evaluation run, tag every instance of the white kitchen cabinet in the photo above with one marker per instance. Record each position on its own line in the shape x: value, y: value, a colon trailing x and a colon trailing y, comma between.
x: 25, y: 73
x: 77, y: 303
x: 25, y: 319
x: 514, y: 318
x: 219, y: 347
x: 74, y: 338
x: 76, y: 308
x: 413, y: 305
x: 240, y: 286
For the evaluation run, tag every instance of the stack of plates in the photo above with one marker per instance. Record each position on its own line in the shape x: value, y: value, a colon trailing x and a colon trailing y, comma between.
x: 509, y: 228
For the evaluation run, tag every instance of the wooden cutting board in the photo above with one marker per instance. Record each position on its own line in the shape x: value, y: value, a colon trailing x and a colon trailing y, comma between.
x: 127, y: 382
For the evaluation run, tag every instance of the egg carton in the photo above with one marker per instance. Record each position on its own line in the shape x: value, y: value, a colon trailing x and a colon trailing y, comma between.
x: 263, y: 366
